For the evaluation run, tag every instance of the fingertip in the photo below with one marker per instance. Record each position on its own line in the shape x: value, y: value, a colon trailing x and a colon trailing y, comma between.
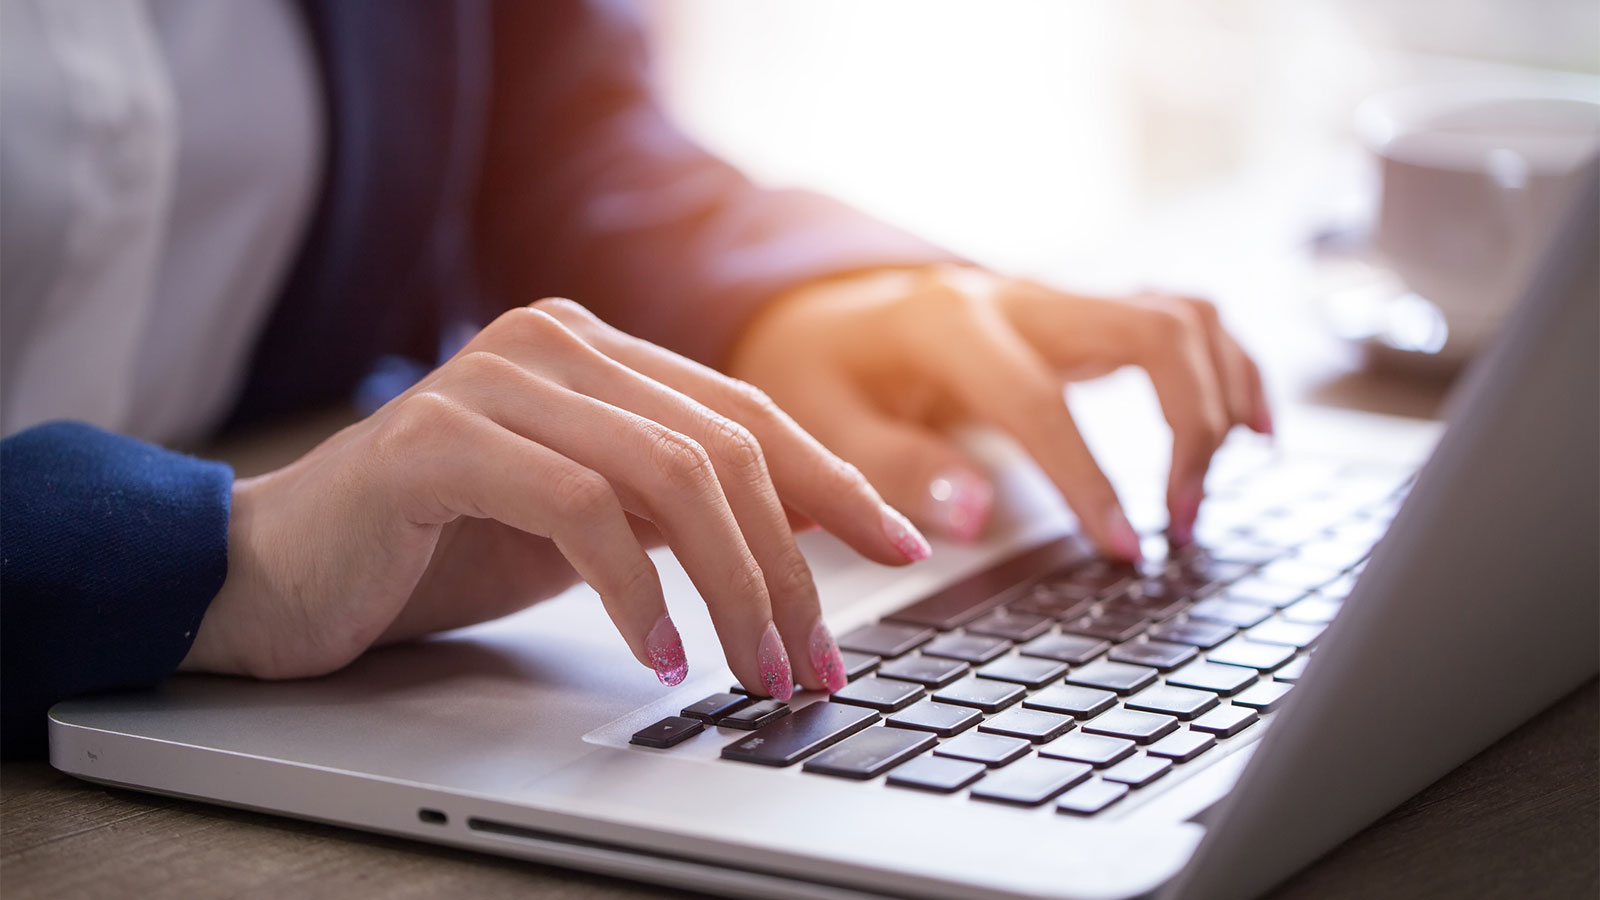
x: 904, y: 536
x: 959, y: 503
x: 777, y: 676
x: 1121, y: 541
x: 664, y: 652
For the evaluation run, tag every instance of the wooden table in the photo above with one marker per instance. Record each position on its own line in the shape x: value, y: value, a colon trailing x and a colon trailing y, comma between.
x: 1516, y: 821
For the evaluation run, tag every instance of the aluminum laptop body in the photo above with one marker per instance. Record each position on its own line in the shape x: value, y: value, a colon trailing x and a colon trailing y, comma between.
x: 1477, y: 610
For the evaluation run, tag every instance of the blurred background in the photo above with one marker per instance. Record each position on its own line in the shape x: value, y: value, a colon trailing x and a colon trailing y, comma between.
x: 1208, y: 146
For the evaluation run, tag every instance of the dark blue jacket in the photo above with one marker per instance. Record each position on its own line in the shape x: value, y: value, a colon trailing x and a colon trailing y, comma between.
x: 479, y: 155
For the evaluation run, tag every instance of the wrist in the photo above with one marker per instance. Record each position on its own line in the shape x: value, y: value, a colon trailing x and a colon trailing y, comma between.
x: 219, y: 646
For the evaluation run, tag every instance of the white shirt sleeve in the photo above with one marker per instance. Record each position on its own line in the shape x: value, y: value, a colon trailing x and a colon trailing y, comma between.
x: 158, y: 160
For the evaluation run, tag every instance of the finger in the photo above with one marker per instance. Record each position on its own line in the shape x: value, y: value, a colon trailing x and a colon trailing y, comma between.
x: 973, y: 351
x: 658, y: 473
x: 485, y: 471
x: 1177, y: 356
x: 741, y: 468
x: 810, y: 479
x: 918, y: 470
x: 1167, y: 337
x: 737, y: 459
x: 1233, y: 367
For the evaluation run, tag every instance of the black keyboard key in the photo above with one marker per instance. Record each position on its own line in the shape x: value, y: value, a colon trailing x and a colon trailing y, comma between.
x: 939, y: 718
x: 1091, y: 797
x: 1138, y: 771
x: 1241, y: 652
x: 992, y: 750
x: 1230, y: 612
x: 1102, y: 577
x: 1113, y: 676
x: 1024, y: 670
x: 1033, y: 725
x: 938, y: 774
x: 870, y: 753
x: 928, y: 671
x: 1185, y: 703
x: 881, y: 694
x: 1031, y: 782
x: 1108, y: 628
x: 757, y: 714
x: 1135, y: 606
x: 1193, y: 633
x: 1072, y: 700
x: 1264, y: 696
x: 1068, y: 648
x: 1094, y: 749
x: 1013, y: 626
x: 794, y: 737
x: 858, y: 664
x: 1139, y: 727
x: 982, y: 694
x: 1062, y: 601
x: 972, y: 648
x: 886, y: 639
x: 1157, y: 654
x: 1182, y: 746
x: 975, y: 595
x: 1289, y: 634
x: 668, y: 732
x: 715, y: 707
x: 1219, y: 679
x: 1225, y: 721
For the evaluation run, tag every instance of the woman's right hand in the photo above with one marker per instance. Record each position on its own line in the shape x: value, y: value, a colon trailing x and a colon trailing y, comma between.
x: 552, y: 447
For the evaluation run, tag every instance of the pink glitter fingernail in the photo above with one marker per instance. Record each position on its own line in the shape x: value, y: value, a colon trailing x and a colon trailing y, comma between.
x: 776, y: 677
x: 664, y: 648
x: 960, y: 503
x: 825, y: 658
x: 906, y: 538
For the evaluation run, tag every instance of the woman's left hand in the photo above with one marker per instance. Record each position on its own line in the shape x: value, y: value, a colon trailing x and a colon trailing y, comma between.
x: 876, y: 365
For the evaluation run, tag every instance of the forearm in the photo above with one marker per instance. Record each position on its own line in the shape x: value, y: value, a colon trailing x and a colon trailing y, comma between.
x: 589, y: 191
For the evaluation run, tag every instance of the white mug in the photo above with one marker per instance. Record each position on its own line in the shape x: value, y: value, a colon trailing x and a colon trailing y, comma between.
x: 1474, y: 179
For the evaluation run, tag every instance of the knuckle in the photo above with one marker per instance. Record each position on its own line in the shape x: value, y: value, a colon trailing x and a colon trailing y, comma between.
x: 565, y: 310
x: 793, y: 578
x: 749, y: 581
x: 681, y: 460
x: 527, y: 324
x: 1204, y: 309
x: 581, y: 495
x: 751, y: 402
x: 482, y: 365
x: 736, y: 447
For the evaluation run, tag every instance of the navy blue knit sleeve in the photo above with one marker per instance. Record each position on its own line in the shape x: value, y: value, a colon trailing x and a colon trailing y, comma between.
x: 110, y: 552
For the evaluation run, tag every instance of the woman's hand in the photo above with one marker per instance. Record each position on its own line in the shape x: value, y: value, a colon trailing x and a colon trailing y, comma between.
x: 874, y: 365
x: 552, y: 447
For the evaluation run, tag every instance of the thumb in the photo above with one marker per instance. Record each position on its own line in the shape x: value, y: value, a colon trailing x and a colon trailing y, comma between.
x: 921, y: 473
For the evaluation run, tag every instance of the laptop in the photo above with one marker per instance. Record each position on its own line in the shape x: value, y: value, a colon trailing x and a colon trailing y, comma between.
x: 1023, y: 720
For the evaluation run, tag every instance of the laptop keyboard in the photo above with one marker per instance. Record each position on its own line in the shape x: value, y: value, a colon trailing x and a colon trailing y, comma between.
x: 1056, y: 676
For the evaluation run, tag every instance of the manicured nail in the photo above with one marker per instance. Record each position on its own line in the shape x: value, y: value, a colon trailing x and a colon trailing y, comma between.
x: 906, y: 538
x: 825, y: 658
x: 1263, y: 422
x: 776, y: 677
x: 1185, y: 509
x: 1124, y: 540
x: 960, y: 503
x: 664, y: 648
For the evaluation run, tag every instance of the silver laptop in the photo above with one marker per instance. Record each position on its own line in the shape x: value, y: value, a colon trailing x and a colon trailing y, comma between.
x: 1023, y: 720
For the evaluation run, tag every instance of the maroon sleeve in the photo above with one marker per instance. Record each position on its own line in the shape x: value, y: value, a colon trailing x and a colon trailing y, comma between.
x: 589, y: 192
